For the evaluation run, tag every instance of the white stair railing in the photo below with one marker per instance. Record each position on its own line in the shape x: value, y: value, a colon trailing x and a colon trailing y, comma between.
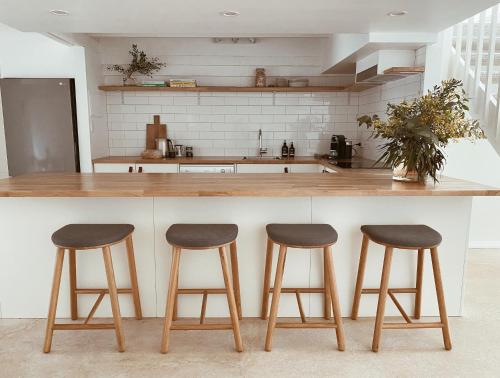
x: 475, y: 43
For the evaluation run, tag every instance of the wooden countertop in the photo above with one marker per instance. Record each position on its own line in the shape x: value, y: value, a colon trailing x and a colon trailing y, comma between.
x: 359, y: 182
x: 206, y: 160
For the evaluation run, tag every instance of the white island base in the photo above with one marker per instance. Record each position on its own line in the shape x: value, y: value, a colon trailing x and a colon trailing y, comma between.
x: 27, y: 254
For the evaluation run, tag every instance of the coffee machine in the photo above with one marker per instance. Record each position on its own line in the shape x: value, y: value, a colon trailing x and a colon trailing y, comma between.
x: 338, y: 148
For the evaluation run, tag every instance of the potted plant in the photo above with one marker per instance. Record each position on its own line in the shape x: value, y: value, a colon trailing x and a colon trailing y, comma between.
x: 416, y: 132
x: 140, y: 63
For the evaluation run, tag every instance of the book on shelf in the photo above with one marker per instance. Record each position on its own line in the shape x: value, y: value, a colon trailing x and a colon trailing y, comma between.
x: 154, y: 83
x: 182, y: 83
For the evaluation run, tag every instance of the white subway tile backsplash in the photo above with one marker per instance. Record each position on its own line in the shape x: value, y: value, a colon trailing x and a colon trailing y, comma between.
x: 185, y: 100
x: 162, y: 100
x: 237, y: 118
x: 260, y: 101
x: 148, y: 109
x: 136, y: 100
x: 218, y: 123
x: 121, y: 109
x: 235, y: 100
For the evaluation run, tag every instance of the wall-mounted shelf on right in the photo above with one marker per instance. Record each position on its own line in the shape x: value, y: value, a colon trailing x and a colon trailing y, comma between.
x: 372, y: 79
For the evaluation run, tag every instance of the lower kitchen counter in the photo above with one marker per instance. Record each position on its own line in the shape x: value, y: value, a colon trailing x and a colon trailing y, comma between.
x: 153, y: 202
x: 357, y: 182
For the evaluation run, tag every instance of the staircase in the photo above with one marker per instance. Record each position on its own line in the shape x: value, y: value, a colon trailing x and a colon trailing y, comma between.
x: 475, y: 59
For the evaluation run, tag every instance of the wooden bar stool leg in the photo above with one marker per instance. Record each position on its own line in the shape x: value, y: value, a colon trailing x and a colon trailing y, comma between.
x: 72, y: 284
x: 420, y: 275
x: 172, y: 291
x: 326, y: 284
x: 236, y: 277
x: 440, y: 298
x: 231, y: 301
x: 384, y: 286
x: 133, y: 278
x: 56, y: 283
x: 175, y: 315
x: 113, y: 296
x: 335, y: 298
x: 359, y: 280
x: 267, y: 280
x: 276, y: 297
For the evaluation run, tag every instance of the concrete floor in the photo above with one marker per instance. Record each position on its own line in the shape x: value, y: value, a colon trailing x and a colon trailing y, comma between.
x: 296, y: 353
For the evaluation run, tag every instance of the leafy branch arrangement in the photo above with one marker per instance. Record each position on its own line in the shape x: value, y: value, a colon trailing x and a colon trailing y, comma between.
x: 140, y: 63
x: 417, y: 131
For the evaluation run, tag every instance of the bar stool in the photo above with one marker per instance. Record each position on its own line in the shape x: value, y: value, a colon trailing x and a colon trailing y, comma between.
x: 200, y: 237
x: 75, y: 237
x: 409, y: 237
x: 301, y: 236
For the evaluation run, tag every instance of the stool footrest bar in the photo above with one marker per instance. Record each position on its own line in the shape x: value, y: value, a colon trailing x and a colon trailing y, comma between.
x: 411, y: 325
x: 408, y: 290
x: 99, y: 291
x: 305, y: 325
x: 293, y: 290
x: 200, y: 327
x: 201, y: 291
x: 65, y: 327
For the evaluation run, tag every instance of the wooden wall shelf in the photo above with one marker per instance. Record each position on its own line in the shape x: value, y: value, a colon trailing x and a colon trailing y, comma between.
x: 121, y: 88
x: 404, y: 70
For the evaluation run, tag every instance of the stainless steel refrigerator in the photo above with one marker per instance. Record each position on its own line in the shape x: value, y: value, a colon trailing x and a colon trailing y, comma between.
x: 40, y: 125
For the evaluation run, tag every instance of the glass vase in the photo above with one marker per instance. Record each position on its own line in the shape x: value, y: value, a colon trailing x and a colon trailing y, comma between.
x: 129, y: 81
x: 402, y: 174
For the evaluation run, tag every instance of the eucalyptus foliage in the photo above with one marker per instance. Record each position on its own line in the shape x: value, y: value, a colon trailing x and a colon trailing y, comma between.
x: 417, y: 131
x: 140, y: 63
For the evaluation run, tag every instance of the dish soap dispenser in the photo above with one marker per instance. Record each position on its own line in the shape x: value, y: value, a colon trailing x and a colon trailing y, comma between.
x: 291, y: 151
x: 284, y: 150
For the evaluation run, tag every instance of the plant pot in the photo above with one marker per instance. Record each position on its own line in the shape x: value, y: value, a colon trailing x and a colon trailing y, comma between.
x: 401, y: 173
x: 129, y: 81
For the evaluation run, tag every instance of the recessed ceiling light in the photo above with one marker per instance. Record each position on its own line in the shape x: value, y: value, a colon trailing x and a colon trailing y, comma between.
x: 229, y: 13
x: 397, y: 13
x: 59, y: 12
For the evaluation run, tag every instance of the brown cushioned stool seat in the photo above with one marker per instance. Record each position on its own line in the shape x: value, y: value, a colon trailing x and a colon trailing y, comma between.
x: 305, y: 235
x: 412, y: 236
x: 90, y: 235
x: 201, y: 235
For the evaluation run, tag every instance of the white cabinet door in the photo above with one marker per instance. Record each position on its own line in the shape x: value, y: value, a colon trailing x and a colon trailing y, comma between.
x: 114, y: 168
x: 157, y: 168
x: 262, y: 168
x: 306, y: 168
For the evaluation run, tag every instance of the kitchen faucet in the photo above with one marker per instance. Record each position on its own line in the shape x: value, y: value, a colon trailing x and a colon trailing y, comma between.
x: 262, y: 150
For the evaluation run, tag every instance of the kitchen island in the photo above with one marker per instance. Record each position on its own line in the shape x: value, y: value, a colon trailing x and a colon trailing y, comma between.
x: 33, y: 206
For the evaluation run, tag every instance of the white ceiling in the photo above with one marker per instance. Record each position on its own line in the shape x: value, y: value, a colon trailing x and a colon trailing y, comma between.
x: 257, y: 18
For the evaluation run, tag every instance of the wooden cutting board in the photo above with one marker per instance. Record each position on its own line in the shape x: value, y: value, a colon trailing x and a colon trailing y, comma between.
x: 155, y: 130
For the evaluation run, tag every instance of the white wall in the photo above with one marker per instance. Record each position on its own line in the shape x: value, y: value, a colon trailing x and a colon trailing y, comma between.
x: 225, y: 63
x: 4, y: 168
x: 99, y: 135
x: 478, y: 162
x: 33, y: 55
x: 375, y: 100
